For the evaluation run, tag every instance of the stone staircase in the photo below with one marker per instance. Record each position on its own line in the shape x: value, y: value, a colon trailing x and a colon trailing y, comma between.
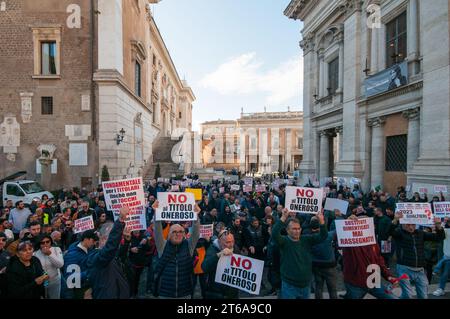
x: 162, y: 148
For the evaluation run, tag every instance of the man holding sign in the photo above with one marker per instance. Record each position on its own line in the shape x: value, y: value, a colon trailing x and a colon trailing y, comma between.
x: 175, y: 267
x: 411, y: 255
x: 296, y: 257
x: 222, y: 246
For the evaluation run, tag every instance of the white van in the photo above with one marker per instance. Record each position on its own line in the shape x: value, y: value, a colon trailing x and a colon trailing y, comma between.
x: 24, y: 190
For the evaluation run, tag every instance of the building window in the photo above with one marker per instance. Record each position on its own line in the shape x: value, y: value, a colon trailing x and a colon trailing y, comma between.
x: 396, y: 153
x: 299, y: 142
x: 48, y: 58
x: 137, y: 79
x: 154, y: 59
x: 47, y: 47
x: 396, y: 40
x: 179, y: 115
x: 47, y: 105
x: 333, y: 76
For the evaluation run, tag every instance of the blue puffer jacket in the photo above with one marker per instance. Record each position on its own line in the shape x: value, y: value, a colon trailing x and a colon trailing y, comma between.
x: 105, y: 271
x: 176, y: 277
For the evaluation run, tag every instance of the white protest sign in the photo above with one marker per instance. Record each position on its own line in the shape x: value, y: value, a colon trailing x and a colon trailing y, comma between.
x: 175, y: 207
x: 83, y: 224
x: 241, y: 272
x: 247, y: 188
x: 160, y: 179
x: 423, y: 190
x: 304, y: 200
x: 355, y: 232
x: 206, y: 230
x: 440, y: 188
x: 222, y: 189
x: 415, y: 213
x: 260, y: 188
x: 441, y: 209
x: 175, y: 188
x: 408, y: 188
x: 235, y: 187
x: 334, y: 203
x: 248, y: 181
x: 127, y: 192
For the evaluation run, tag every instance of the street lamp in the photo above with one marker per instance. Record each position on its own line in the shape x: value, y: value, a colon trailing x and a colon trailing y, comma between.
x: 120, y: 136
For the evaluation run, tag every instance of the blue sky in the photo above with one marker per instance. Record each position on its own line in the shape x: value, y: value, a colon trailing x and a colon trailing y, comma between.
x: 234, y: 54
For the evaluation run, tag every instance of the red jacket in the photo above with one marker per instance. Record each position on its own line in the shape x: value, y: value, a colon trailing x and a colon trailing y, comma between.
x: 356, y: 260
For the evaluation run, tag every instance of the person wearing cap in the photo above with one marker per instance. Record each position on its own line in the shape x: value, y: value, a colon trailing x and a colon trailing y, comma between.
x: 4, y: 260
x: 52, y: 260
x: 76, y: 256
x: 296, y: 256
x: 24, y: 274
x: 105, y: 272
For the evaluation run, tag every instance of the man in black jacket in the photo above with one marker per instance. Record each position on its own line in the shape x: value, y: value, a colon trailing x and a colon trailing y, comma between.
x: 105, y: 272
x: 222, y: 246
x: 410, y: 254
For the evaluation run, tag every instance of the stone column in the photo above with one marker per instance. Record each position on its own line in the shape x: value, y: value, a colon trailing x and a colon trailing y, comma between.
x: 374, y: 49
x: 322, y: 87
x: 339, y: 131
x: 324, y: 169
x: 413, y: 117
x: 377, y: 151
x: 341, y: 67
x: 287, y: 157
x: 413, y: 34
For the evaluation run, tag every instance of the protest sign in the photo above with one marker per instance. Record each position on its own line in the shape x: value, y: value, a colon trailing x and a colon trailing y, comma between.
x: 175, y: 207
x: 175, y: 188
x: 248, y: 180
x: 196, y: 191
x: 423, y: 190
x: 216, y: 178
x: 235, y: 187
x: 334, y: 203
x: 160, y: 179
x: 222, y: 189
x: 441, y: 209
x: 247, y: 188
x: 296, y: 173
x: 408, y: 188
x: 440, y: 188
x: 241, y: 272
x: 304, y: 200
x: 355, y: 180
x: 415, y: 213
x: 355, y: 232
x: 83, y: 224
x: 127, y: 192
x: 260, y: 188
x: 342, y: 181
x: 206, y: 230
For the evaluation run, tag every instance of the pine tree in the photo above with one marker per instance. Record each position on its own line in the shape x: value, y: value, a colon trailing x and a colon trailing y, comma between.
x: 105, y: 173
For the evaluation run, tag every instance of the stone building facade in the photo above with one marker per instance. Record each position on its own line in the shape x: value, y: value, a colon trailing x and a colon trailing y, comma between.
x: 92, y: 79
x: 261, y: 142
x: 378, y: 88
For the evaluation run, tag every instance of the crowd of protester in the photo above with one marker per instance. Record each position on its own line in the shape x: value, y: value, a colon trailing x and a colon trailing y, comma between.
x: 42, y: 257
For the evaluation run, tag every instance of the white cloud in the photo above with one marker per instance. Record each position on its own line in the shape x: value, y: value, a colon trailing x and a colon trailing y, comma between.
x: 244, y: 75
